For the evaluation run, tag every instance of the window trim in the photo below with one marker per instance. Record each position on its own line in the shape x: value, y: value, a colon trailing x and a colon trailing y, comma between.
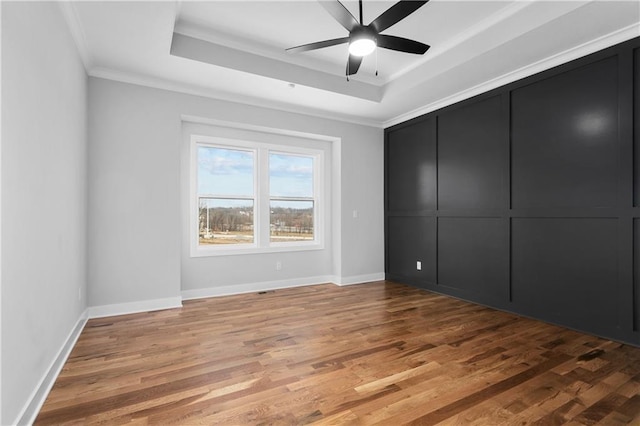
x: 262, y: 243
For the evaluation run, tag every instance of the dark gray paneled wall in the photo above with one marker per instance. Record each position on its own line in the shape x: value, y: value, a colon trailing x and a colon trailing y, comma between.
x: 527, y: 198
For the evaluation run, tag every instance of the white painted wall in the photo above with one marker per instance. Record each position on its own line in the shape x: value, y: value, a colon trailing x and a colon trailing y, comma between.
x: 362, y: 248
x: 44, y: 134
x: 133, y: 234
x: 135, y: 164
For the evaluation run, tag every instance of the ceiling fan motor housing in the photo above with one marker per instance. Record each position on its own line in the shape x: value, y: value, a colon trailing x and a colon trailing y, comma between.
x: 363, y: 31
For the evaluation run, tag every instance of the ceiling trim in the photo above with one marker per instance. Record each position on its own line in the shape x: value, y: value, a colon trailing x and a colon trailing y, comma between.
x: 172, y: 86
x: 441, y: 62
x: 197, y: 31
x: 569, y: 55
x: 471, y: 32
x: 195, y: 49
x: 77, y: 32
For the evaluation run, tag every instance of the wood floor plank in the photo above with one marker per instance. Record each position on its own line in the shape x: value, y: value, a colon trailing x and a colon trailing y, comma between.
x: 379, y: 353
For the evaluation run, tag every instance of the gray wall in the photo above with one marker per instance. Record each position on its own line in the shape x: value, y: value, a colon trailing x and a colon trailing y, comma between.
x: 44, y: 103
x: 135, y: 164
x: 133, y: 155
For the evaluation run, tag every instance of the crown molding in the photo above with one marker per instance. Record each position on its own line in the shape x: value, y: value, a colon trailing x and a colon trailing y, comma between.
x: 470, y: 33
x: 569, y: 55
x: 172, y: 86
x: 198, y: 31
x: 74, y: 24
x: 239, y: 60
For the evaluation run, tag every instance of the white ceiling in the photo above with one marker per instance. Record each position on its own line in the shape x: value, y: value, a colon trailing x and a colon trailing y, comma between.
x: 235, y: 50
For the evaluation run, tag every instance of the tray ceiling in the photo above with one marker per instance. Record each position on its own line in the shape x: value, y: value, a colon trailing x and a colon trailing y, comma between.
x: 235, y: 50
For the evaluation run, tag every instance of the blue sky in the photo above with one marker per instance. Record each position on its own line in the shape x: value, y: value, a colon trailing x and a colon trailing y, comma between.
x: 230, y: 172
x: 290, y: 175
x: 225, y: 171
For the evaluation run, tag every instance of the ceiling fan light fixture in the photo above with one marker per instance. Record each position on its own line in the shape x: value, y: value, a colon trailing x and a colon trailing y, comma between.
x: 362, y: 46
x: 366, y: 39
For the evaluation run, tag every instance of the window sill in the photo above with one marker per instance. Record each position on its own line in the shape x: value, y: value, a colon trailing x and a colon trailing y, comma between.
x: 276, y: 248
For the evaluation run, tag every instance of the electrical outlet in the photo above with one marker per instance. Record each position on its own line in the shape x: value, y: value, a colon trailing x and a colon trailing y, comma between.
x: 278, y: 265
x: 419, y: 265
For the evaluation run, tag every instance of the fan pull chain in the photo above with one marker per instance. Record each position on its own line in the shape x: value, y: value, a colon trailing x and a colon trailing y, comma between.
x: 348, y: 63
x: 376, y: 61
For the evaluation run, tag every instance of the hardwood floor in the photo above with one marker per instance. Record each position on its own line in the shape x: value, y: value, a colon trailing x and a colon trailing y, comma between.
x: 379, y: 353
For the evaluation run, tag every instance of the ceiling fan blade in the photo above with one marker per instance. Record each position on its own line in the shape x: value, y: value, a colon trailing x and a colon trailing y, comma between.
x: 317, y: 45
x: 401, y: 44
x: 353, y: 64
x: 340, y: 13
x: 396, y: 13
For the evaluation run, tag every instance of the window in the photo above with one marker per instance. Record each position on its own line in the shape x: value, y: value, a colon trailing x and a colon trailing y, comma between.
x: 291, y: 201
x: 250, y: 197
x: 226, y: 195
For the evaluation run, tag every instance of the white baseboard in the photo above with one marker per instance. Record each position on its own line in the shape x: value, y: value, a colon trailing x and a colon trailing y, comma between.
x: 229, y: 290
x: 358, y: 279
x: 134, y: 307
x: 31, y: 409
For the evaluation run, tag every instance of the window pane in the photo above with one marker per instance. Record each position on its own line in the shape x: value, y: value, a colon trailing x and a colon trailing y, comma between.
x: 290, y: 175
x: 291, y: 221
x: 224, y: 221
x: 225, y: 171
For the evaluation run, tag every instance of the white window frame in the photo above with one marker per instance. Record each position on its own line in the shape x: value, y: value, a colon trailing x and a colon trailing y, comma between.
x: 262, y: 241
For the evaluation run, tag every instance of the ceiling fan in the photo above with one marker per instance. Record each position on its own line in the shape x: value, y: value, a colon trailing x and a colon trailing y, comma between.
x: 363, y: 39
